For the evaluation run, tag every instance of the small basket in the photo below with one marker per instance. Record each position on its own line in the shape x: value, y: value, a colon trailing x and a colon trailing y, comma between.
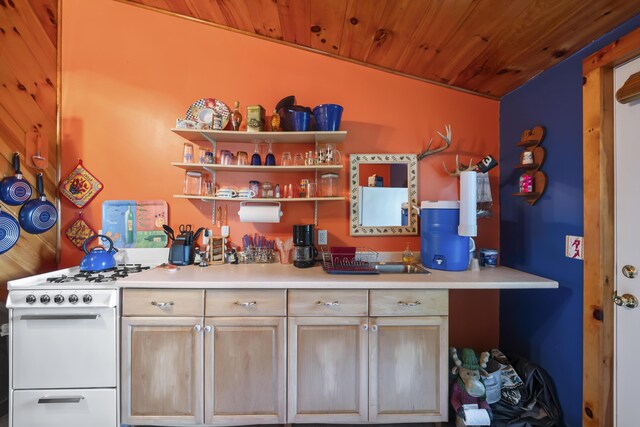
x: 253, y: 255
x: 349, y: 260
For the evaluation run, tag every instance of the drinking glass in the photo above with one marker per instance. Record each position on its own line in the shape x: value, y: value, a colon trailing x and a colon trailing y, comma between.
x: 286, y: 159
x: 270, y: 160
x: 312, y: 189
x: 256, y: 160
x: 241, y: 158
x: 299, y: 160
x: 187, y: 153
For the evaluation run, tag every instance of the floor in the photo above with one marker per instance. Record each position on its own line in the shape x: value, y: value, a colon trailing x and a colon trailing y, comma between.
x: 4, y: 421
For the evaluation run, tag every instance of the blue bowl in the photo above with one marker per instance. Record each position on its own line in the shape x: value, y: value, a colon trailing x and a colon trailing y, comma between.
x: 295, y: 119
x: 328, y: 117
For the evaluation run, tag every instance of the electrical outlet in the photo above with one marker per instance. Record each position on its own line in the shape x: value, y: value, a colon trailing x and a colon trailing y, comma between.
x: 574, y: 247
x: 322, y: 237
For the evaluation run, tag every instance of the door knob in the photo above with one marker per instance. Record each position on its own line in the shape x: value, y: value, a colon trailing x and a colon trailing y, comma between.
x: 630, y: 271
x: 626, y: 300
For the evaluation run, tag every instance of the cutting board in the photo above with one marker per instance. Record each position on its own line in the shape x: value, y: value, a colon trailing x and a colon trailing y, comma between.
x: 135, y: 223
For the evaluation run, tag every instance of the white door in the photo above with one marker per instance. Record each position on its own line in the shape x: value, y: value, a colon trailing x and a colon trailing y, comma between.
x: 627, y: 196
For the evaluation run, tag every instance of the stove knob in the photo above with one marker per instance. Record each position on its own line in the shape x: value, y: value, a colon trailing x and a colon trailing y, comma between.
x: 87, y: 299
x: 31, y: 299
x: 58, y: 299
x: 73, y: 298
x: 45, y: 299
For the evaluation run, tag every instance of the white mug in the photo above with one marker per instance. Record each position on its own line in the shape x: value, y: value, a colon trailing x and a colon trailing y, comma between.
x: 246, y: 193
x: 226, y: 192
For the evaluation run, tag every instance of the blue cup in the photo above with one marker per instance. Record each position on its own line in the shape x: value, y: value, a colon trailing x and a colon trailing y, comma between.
x: 328, y: 117
x: 295, y: 120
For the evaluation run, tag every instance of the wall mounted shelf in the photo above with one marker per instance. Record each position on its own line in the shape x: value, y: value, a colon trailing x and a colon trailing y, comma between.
x: 249, y: 168
x: 530, y: 140
x: 210, y: 138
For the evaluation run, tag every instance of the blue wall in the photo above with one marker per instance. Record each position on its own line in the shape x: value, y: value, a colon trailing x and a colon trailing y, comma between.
x: 546, y: 325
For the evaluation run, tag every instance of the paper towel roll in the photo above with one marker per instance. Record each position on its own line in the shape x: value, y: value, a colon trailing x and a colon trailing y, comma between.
x: 259, y: 212
x: 468, y: 198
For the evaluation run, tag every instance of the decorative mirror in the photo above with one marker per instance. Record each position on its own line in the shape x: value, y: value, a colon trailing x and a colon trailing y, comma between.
x: 384, y: 193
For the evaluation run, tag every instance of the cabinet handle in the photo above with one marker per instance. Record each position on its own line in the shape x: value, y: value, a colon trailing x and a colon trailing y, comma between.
x: 207, y: 329
x: 197, y: 328
x: 60, y: 399
x: 328, y: 303
x: 162, y: 304
x: 374, y: 328
x: 409, y: 304
x: 248, y: 304
x: 365, y: 327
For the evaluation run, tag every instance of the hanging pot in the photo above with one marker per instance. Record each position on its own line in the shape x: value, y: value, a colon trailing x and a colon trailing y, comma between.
x: 9, y: 232
x: 14, y: 190
x: 38, y: 215
x: 99, y: 258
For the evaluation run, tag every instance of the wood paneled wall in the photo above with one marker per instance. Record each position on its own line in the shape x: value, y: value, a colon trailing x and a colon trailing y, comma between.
x: 28, y: 102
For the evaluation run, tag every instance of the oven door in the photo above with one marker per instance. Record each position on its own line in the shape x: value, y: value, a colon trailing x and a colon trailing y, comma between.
x: 63, y: 347
x: 64, y: 408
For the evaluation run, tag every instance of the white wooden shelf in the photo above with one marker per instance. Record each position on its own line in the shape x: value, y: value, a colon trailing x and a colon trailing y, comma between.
x: 249, y: 168
x: 260, y: 200
x: 203, y: 136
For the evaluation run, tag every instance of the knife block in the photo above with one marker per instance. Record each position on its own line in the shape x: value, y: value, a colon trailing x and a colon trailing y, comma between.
x: 181, y: 253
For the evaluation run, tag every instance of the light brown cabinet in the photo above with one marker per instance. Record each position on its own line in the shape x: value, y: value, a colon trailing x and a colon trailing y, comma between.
x: 341, y: 356
x: 391, y: 368
x: 161, y: 371
x: 210, y: 370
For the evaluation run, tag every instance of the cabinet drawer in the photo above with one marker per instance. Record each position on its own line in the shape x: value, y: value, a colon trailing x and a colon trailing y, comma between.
x: 246, y: 302
x: 417, y: 302
x: 328, y: 302
x: 162, y: 302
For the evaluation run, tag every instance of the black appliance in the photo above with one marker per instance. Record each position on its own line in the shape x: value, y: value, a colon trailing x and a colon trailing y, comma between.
x: 303, y: 249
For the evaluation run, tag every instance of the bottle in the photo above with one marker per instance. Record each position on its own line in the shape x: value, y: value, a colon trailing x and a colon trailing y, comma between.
x: 407, y: 256
x: 275, y: 122
x: 236, y: 116
x: 129, y: 220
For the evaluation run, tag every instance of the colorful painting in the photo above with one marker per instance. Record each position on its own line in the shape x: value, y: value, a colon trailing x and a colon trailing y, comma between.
x: 135, y: 223
x: 80, y: 187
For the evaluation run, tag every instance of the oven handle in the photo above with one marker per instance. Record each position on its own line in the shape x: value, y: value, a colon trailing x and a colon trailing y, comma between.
x: 61, y: 399
x: 59, y: 317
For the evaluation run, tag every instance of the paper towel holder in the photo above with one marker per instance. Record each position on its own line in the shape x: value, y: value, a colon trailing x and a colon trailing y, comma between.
x: 267, y: 212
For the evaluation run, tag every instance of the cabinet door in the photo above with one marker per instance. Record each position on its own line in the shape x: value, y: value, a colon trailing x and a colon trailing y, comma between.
x: 327, y: 370
x: 162, y: 376
x: 408, y: 375
x: 245, y: 373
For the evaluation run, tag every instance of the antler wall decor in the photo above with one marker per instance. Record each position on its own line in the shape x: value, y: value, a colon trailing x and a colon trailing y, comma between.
x: 447, y: 144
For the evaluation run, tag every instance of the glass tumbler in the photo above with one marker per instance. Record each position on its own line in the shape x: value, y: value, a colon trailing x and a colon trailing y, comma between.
x: 286, y: 159
x: 299, y: 160
x: 187, y: 153
x: 242, y: 158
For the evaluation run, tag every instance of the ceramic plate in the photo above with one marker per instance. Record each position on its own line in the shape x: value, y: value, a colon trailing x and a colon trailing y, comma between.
x: 216, y: 105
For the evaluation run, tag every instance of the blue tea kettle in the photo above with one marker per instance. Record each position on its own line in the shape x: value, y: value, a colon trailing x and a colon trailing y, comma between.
x: 98, y: 258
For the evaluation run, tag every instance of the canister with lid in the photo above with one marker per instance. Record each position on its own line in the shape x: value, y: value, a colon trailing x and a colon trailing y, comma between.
x: 329, y: 185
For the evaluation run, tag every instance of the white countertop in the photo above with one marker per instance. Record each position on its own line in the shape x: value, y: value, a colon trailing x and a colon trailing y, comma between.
x: 279, y: 276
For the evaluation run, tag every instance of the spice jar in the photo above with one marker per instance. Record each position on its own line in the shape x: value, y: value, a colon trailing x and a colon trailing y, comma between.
x: 267, y: 190
x: 329, y: 185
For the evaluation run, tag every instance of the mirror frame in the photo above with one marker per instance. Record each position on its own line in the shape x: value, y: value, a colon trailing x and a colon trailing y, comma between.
x: 411, y: 160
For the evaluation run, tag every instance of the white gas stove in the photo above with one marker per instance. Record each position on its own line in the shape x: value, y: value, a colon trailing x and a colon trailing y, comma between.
x: 64, y: 344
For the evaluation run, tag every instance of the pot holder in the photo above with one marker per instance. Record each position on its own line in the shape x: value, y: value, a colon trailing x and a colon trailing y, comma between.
x: 79, y: 231
x: 80, y: 187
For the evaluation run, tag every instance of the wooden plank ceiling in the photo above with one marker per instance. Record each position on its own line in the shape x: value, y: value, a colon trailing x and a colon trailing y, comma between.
x: 28, y: 103
x: 485, y: 46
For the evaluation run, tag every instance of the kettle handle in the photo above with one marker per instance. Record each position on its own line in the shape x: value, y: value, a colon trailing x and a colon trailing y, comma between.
x: 90, y: 238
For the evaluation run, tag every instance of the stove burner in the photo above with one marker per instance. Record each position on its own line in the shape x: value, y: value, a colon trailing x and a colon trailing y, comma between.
x: 63, y: 279
x: 110, y: 275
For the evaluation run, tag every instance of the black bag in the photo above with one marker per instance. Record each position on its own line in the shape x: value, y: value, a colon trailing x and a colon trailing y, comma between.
x: 538, y: 406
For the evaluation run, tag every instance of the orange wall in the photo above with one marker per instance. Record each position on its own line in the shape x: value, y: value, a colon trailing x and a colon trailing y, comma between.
x: 128, y: 75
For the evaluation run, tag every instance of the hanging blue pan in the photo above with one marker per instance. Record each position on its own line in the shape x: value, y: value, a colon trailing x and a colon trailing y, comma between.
x: 38, y: 215
x: 9, y: 232
x: 15, y: 190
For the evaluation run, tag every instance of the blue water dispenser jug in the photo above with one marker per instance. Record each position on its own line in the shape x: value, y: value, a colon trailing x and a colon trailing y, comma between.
x: 441, y: 247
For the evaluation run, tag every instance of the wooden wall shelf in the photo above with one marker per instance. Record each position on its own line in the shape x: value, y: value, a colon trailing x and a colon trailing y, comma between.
x: 530, y: 140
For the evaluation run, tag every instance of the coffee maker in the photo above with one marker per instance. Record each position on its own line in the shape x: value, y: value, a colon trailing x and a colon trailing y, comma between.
x: 303, y: 249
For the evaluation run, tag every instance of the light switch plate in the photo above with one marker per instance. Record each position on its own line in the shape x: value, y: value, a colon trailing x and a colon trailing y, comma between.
x: 574, y: 247
x: 322, y: 237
